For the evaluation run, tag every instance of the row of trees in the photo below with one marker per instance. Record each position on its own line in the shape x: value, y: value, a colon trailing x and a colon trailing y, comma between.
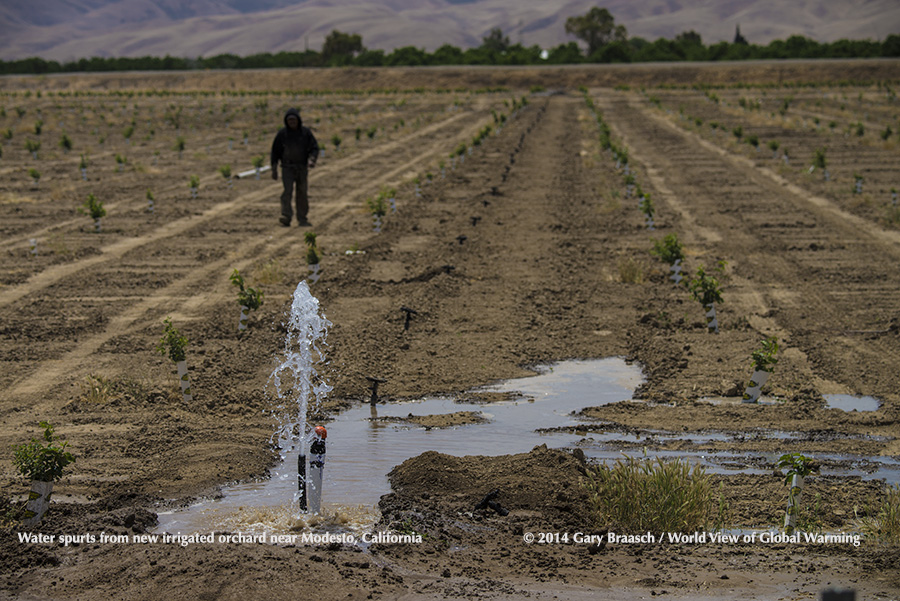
x: 606, y: 43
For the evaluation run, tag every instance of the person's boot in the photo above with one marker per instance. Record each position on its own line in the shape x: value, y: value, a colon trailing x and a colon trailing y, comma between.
x: 285, y: 221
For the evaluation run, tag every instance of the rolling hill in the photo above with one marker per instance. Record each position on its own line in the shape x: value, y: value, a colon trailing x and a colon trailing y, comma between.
x: 70, y: 29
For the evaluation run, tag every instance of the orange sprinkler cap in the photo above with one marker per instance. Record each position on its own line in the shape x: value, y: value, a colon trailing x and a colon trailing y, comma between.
x: 321, y: 432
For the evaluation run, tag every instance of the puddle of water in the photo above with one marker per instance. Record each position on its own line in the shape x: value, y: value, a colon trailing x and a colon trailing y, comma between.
x: 361, y: 451
x: 848, y: 402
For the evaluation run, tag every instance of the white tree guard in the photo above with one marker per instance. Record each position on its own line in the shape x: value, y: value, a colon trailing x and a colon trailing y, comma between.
x: 712, y: 323
x: 38, y: 502
x: 754, y: 389
x: 185, y: 381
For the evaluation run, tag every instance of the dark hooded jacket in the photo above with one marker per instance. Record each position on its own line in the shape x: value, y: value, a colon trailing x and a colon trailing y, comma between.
x: 294, y: 146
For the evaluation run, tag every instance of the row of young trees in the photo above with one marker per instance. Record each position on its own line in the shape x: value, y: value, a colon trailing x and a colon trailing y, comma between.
x: 606, y: 43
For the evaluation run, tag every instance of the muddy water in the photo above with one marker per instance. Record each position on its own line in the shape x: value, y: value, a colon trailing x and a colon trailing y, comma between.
x: 848, y: 402
x: 362, y: 450
x: 364, y: 444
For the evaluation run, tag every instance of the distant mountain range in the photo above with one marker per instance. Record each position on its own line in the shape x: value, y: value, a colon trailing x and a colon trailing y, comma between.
x: 71, y: 29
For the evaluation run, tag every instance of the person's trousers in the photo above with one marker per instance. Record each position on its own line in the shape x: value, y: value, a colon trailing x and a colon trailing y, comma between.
x: 295, y: 176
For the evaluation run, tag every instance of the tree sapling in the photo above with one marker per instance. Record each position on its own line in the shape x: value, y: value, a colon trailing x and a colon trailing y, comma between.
x: 35, y: 176
x: 65, y: 142
x: 705, y: 288
x: 194, y: 184
x: 225, y: 170
x: 94, y: 208
x: 670, y: 251
x: 151, y: 201
x: 312, y: 256
x: 773, y: 146
x: 174, y: 344
x: 250, y: 299
x: 647, y: 208
x: 43, y: 465
x: 179, y: 146
x: 378, y: 209
x: 762, y: 360
x: 797, y: 467
x: 257, y: 163
x: 819, y: 162
x: 83, y: 165
x: 32, y: 146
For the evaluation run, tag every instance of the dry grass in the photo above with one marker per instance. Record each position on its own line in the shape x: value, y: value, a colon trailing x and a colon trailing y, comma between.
x: 631, y: 271
x: 98, y: 390
x: 883, y: 522
x: 269, y: 273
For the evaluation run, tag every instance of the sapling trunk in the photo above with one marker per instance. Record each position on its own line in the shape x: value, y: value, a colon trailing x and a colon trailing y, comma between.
x: 793, y: 504
x: 797, y: 469
x: 754, y: 389
x: 712, y: 323
x: 242, y: 323
x: 675, y: 268
x: 32, y: 243
x: 184, y: 380
x: 174, y: 344
x: 38, y: 502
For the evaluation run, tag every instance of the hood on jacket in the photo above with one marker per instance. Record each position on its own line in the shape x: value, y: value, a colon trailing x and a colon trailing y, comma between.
x: 295, y: 113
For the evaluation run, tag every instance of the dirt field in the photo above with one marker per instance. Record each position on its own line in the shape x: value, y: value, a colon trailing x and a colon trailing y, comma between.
x: 556, y: 266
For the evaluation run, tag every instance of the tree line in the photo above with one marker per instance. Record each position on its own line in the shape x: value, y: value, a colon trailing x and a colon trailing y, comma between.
x: 605, y: 42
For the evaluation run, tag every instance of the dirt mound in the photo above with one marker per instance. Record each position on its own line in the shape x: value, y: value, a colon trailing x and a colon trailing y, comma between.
x: 542, y: 487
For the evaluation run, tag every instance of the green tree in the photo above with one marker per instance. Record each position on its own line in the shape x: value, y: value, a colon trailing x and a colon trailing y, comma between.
x: 340, y: 48
x: 495, y: 41
x: 447, y: 55
x: 597, y: 28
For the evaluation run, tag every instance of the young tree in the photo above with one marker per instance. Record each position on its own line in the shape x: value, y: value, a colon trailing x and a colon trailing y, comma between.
x: 597, y: 28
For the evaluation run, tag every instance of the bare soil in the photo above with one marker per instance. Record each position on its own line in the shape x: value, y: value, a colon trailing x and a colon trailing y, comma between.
x: 556, y: 266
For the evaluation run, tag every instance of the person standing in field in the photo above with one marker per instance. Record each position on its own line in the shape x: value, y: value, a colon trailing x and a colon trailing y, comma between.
x: 296, y: 148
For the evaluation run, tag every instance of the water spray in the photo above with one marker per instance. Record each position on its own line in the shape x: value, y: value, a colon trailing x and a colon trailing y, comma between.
x: 296, y: 381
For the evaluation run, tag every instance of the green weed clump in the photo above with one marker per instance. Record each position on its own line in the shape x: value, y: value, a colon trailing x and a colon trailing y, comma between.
x: 640, y: 495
